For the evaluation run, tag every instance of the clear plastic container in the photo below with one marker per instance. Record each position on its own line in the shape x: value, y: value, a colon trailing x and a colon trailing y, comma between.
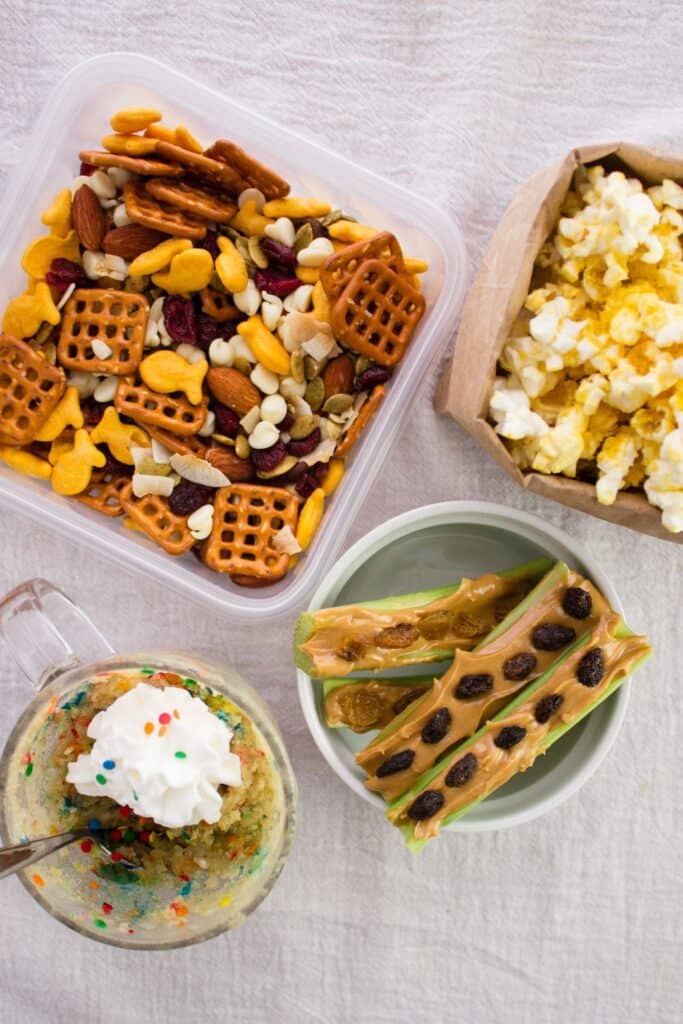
x: 76, y: 117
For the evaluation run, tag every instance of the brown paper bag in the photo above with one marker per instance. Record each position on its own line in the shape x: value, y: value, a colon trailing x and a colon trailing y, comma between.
x: 496, y: 298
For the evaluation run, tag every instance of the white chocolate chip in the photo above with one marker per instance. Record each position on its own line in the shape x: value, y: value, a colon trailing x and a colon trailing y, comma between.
x: 241, y: 350
x: 282, y: 231
x: 209, y: 425
x: 253, y: 194
x: 106, y: 389
x: 270, y: 314
x: 100, y: 183
x: 120, y: 216
x: 265, y: 380
x: 119, y: 175
x: 264, y: 435
x: 190, y: 353
x: 273, y: 409
x: 66, y: 296
x: 248, y: 422
x: 220, y: 352
x: 291, y: 388
x: 249, y: 300
x: 299, y: 300
x: 100, y: 348
x: 85, y: 383
x: 315, y: 254
x: 200, y: 522
x: 147, y: 483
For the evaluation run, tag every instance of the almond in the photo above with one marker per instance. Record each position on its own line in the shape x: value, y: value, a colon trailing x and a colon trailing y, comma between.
x: 236, y: 469
x: 87, y: 217
x: 338, y: 376
x: 233, y: 389
x: 131, y: 241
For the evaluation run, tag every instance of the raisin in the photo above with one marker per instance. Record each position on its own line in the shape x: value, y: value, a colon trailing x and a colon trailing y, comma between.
x: 276, y: 282
x: 397, y: 763
x: 591, y: 667
x: 351, y: 650
x: 426, y: 805
x: 113, y: 465
x: 311, y: 480
x: 519, y: 666
x: 435, y: 625
x: 402, y: 703
x: 92, y: 411
x: 510, y: 736
x: 304, y: 445
x: 187, y: 497
x: 361, y: 710
x: 207, y: 330
x: 210, y: 243
x: 227, y: 421
x: 462, y: 771
x: 474, y: 685
x: 577, y: 602
x: 547, y: 706
x: 367, y: 380
x: 279, y: 253
x: 319, y: 230
x: 266, y: 459
x: 550, y: 636
x: 180, y: 319
x: 437, y: 726
x: 469, y: 625
x: 397, y: 637
x: 63, y: 273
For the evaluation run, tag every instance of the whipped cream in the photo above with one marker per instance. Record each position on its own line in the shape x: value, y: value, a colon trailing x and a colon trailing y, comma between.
x: 161, y: 752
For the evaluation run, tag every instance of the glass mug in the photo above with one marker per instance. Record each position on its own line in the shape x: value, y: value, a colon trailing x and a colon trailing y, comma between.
x: 62, y: 654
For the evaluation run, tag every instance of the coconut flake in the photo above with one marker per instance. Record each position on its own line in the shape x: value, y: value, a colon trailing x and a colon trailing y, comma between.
x: 198, y: 471
x: 284, y: 540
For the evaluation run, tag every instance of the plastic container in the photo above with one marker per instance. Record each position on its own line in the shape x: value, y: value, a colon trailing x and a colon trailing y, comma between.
x: 76, y: 117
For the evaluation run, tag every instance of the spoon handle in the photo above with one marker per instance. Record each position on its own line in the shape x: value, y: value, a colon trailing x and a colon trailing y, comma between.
x: 13, y: 858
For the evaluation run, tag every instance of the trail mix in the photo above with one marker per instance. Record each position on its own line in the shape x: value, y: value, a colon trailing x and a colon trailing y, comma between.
x: 197, y: 350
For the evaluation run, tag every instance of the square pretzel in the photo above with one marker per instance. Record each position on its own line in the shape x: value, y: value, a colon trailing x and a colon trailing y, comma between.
x: 154, y: 517
x: 173, y: 412
x: 119, y: 319
x: 246, y: 519
x: 338, y: 270
x: 30, y: 388
x: 377, y: 313
x: 104, y: 492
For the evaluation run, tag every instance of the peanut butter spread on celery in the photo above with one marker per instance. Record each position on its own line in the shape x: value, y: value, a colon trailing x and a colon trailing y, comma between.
x: 366, y: 704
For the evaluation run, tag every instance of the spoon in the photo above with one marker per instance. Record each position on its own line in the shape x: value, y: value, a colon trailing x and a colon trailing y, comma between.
x: 14, y: 858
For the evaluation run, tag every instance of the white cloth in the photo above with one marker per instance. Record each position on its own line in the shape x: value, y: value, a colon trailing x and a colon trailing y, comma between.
x: 575, y: 918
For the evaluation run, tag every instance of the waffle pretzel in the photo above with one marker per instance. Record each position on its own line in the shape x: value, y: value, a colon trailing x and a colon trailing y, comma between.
x: 155, y: 518
x: 218, y: 305
x: 172, y: 413
x: 377, y: 313
x: 338, y: 270
x: 245, y: 521
x: 251, y: 172
x: 30, y: 388
x: 147, y: 166
x: 104, y: 492
x: 202, y: 166
x: 117, y: 318
x: 192, y: 197
x: 179, y: 445
x: 144, y: 209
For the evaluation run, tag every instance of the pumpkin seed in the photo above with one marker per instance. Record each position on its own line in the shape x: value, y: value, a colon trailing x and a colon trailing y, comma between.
x: 315, y: 393
x: 242, y: 447
x: 42, y: 334
x: 256, y: 253
x: 289, y: 462
x: 242, y: 246
x: 304, y: 426
x: 303, y: 237
x: 311, y: 367
x: 137, y: 283
x: 333, y: 430
x: 333, y: 216
x: 338, y: 404
x: 297, y: 366
x: 50, y: 353
x: 362, y: 363
x: 222, y: 439
x: 243, y: 365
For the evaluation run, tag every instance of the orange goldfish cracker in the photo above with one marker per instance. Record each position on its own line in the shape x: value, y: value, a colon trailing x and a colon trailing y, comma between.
x: 25, y: 462
x: 73, y: 471
x: 39, y: 254
x: 230, y: 266
x: 58, y: 214
x: 266, y: 347
x: 184, y: 138
x: 166, y: 372
x: 190, y: 271
x: 160, y: 132
x: 134, y: 119
x: 296, y: 206
x: 249, y: 221
x: 27, y: 312
x: 158, y: 258
x: 118, y: 436
x: 59, y: 447
x: 309, y: 518
x: 129, y: 145
x: 348, y: 231
x: 66, y: 414
x: 335, y: 473
x: 413, y: 265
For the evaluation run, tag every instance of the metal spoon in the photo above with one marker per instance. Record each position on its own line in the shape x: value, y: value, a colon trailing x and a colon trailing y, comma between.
x: 14, y: 858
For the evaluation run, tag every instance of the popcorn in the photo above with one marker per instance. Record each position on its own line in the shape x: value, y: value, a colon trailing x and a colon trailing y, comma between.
x: 512, y: 413
x: 616, y: 458
x: 561, y: 447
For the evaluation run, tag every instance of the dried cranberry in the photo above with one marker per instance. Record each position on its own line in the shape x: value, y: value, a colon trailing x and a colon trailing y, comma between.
x: 519, y: 666
x: 63, y: 273
x: 551, y: 636
x: 286, y: 423
x: 311, y: 480
x: 304, y: 445
x: 92, y: 411
x: 207, y: 330
x: 87, y: 169
x: 180, y: 319
x: 397, y: 763
x: 510, y: 736
x: 366, y: 380
x: 474, y: 685
x: 210, y: 243
x: 577, y: 602
x: 266, y: 459
x: 547, y: 706
x: 591, y: 667
x: 227, y: 421
x: 319, y: 230
x: 276, y: 282
x: 437, y: 726
x: 279, y: 253
x: 462, y: 771
x: 113, y: 465
x: 187, y: 497
x: 426, y: 805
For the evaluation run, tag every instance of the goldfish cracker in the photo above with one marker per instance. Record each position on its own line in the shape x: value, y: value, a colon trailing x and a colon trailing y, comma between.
x: 309, y: 275
x: 296, y: 206
x: 320, y: 303
x: 335, y: 473
x: 161, y: 132
x: 118, y: 436
x: 230, y: 266
x: 129, y: 145
x: 67, y: 413
x: 414, y: 282
x: 249, y: 221
x: 24, y: 315
x: 349, y: 231
x: 25, y: 462
x: 309, y: 519
x: 413, y: 265
x: 190, y: 271
x: 134, y: 119
x: 58, y: 214
x: 166, y: 372
x: 265, y: 346
x: 187, y: 140
x: 72, y: 472
x: 59, y: 447
x: 159, y: 257
x: 40, y: 253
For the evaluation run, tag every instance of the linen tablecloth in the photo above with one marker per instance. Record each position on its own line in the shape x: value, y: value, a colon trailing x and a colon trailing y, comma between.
x: 574, y: 918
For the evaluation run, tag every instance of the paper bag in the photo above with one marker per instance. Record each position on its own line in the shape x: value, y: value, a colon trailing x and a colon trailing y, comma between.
x: 494, y: 301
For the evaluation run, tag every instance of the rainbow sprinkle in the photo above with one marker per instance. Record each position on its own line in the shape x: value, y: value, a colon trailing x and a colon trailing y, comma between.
x: 180, y: 754
x: 109, y: 765
x: 102, y: 779
x: 38, y: 880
